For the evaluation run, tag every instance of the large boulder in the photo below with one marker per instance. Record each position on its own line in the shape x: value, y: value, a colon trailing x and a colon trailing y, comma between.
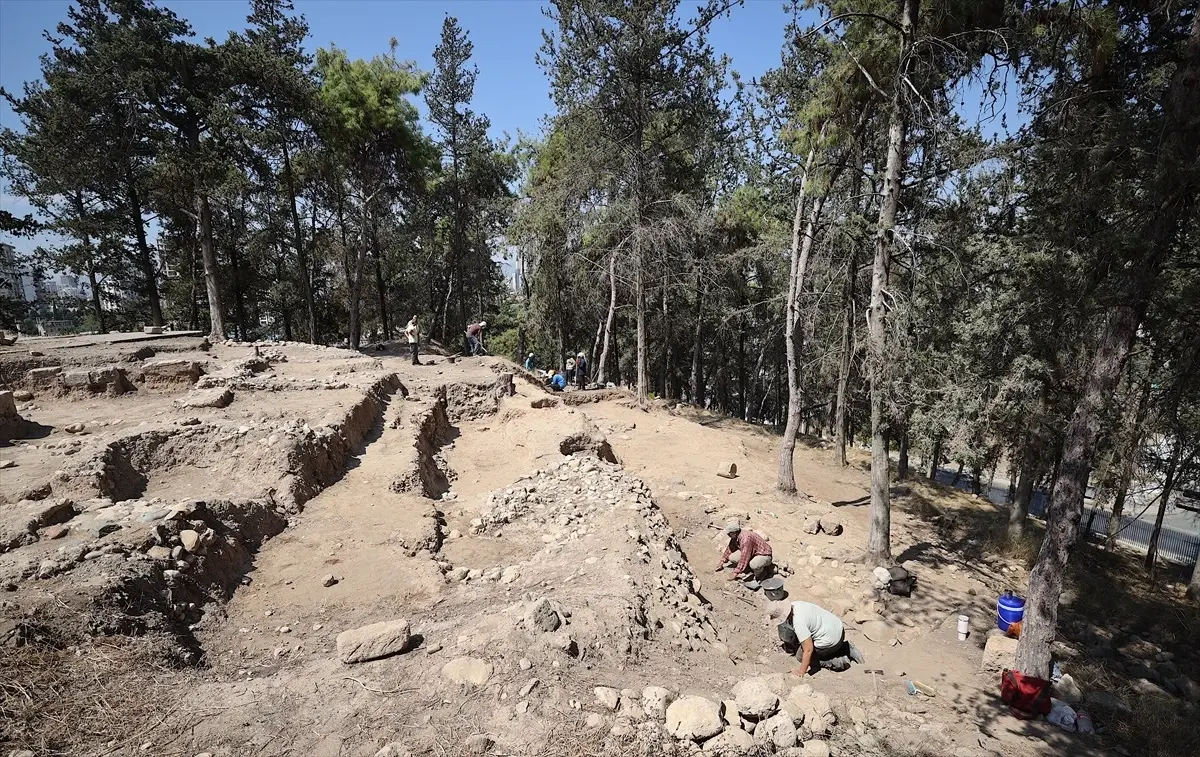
x: 372, y: 642
x: 999, y: 654
x: 777, y: 731
x: 694, y: 718
x: 755, y: 698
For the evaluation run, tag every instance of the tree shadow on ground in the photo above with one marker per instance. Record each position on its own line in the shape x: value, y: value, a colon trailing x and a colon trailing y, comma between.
x: 1109, y: 600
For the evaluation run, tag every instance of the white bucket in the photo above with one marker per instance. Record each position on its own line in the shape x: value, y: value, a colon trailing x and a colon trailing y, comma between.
x: 964, y: 627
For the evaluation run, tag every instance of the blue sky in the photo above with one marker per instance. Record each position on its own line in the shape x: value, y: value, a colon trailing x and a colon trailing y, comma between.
x: 511, y: 90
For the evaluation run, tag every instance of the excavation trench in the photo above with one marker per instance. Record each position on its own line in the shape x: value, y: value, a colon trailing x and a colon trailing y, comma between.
x: 154, y: 555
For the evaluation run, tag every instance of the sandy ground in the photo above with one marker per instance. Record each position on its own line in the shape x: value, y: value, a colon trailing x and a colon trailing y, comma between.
x: 271, y: 683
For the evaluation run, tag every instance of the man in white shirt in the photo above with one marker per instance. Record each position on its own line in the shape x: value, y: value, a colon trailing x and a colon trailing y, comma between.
x: 412, y: 332
x: 815, y: 635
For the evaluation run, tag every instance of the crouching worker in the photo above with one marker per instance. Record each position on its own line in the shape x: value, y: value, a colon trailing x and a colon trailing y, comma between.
x: 748, y: 553
x: 814, y: 635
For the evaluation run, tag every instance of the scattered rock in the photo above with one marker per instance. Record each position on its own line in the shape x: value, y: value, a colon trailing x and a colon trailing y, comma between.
x: 694, y: 718
x: 999, y: 654
x: 1106, y: 700
x: 373, y: 641
x: 217, y: 397
x: 5, y: 464
x: 816, y: 748
x: 732, y: 742
x: 727, y: 470
x: 755, y: 698
x: 1068, y: 690
x: 1139, y: 649
x: 22, y: 395
x: 542, y: 402
x: 541, y: 616
x: 778, y: 730
x: 510, y: 574
x: 190, y: 540
x: 524, y: 663
x: 478, y: 744
x: 830, y: 526
x: 57, y: 531
x: 74, y: 428
x: 329, y: 580
x: 467, y: 671
x: 655, y: 700
x: 606, y: 697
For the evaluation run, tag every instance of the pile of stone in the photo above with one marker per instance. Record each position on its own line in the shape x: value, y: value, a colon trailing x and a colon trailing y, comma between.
x: 568, y: 500
x: 765, y: 715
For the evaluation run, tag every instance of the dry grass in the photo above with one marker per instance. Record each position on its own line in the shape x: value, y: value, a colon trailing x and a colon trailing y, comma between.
x: 100, y: 699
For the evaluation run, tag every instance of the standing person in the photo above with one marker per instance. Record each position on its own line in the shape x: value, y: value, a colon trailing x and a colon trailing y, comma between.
x: 581, y: 373
x: 530, y: 363
x: 814, y: 635
x: 570, y: 370
x: 412, y: 332
x: 475, y: 337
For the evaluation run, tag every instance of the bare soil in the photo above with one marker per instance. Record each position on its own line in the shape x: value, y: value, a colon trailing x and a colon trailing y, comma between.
x: 341, y: 489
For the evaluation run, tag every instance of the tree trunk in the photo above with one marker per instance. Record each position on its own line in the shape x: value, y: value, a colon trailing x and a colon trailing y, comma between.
x: 643, y: 367
x: 602, y: 364
x: 1129, y: 460
x: 902, y: 465
x: 667, y: 357
x: 844, y: 359
x: 145, y: 261
x: 96, y: 304
x: 306, y: 288
x: 239, y: 301
x: 785, y: 479
x: 381, y: 292
x: 741, y: 363
x: 212, y: 275
x: 86, y: 240
x: 1018, y: 513
x: 879, y: 549
x: 696, y: 380
x: 935, y: 457
x: 356, y: 282
x: 1163, y: 498
x: 1172, y: 193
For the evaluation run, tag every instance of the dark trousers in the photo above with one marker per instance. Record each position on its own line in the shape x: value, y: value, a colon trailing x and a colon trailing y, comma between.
x: 836, y: 657
x: 475, y: 344
x: 416, y: 348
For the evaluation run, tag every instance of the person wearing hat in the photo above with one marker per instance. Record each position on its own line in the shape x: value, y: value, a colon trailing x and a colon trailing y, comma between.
x: 556, y: 381
x: 530, y: 362
x: 475, y: 337
x: 580, y: 370
x: 814, y: 635
x: 747, y: 551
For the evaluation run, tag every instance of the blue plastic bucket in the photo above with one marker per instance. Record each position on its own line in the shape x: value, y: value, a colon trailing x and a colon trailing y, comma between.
x: 1009, y: 609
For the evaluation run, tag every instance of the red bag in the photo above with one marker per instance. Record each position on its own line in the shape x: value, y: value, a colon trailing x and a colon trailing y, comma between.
x: 1026, y: 696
